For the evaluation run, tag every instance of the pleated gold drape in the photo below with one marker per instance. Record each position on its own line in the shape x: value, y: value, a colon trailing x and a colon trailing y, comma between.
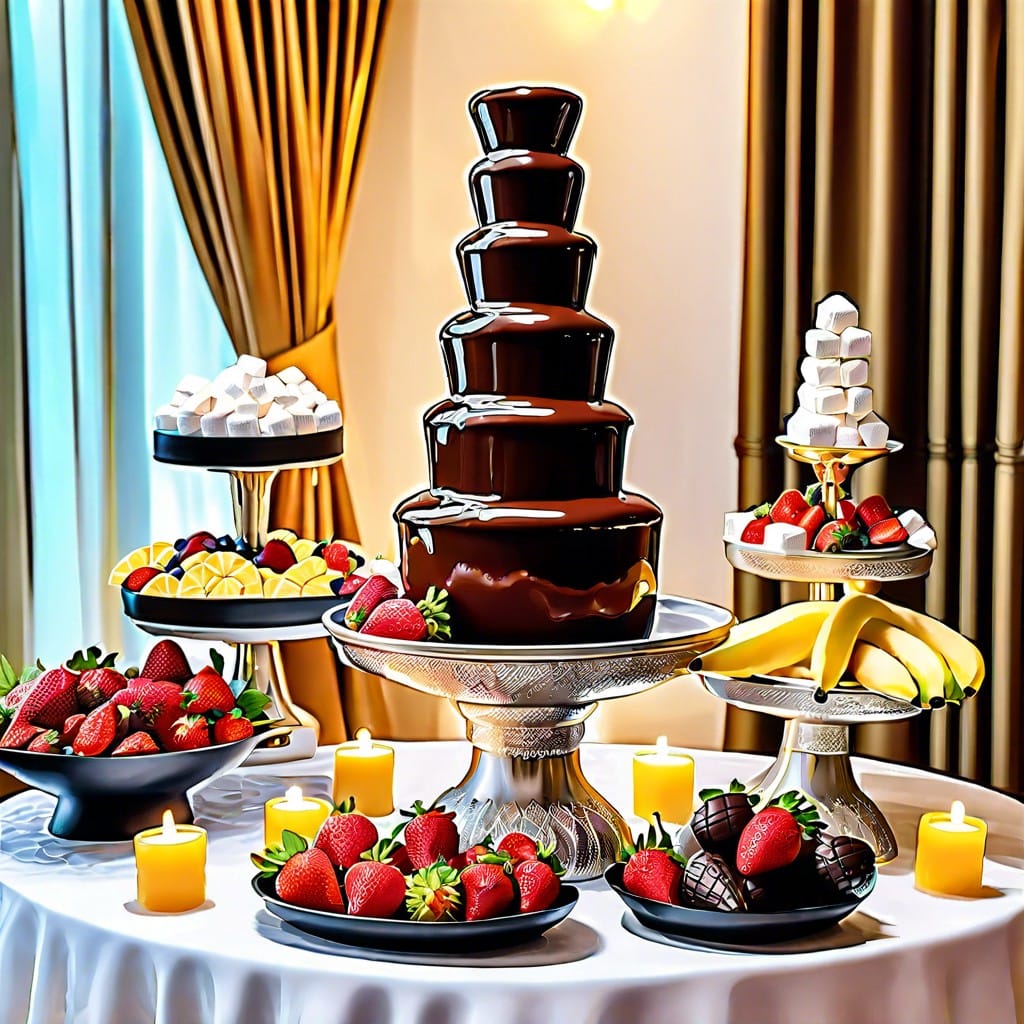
x: 886, y: 159
x: 261, y: 107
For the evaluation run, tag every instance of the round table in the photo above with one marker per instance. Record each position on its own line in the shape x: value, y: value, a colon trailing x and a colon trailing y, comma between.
x: 76, y: 947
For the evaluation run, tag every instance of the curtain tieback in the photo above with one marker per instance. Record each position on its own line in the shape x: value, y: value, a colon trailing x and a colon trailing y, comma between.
x: 316, y: 357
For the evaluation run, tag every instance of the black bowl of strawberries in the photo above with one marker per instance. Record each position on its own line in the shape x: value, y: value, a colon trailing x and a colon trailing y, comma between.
x: 117, y: 749
x: 413, y: 891
x: 760, y: 876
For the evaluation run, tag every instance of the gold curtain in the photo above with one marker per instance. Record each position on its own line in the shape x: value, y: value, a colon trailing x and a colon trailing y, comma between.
x: 261, y: 109
x: 886, y: 159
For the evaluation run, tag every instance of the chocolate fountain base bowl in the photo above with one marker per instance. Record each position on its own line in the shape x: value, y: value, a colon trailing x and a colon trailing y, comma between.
x: 540, y: 572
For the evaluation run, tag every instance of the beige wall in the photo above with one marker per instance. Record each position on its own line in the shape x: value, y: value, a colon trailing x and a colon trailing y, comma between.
x: 662, y: 138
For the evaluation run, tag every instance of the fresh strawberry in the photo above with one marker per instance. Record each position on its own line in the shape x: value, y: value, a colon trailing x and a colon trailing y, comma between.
x: 374, y: 889
x: 873, y: 510
x: 488, y: 890
x: 167, y: 661
x: 207, y: 692
x: 308, y: 880
x: 472, y: 855
x: 400, y: 619
x: 372, y: 593
x: 51, y: 699
x: 518, y: 846
x: 350, y: 584
x: 69, y: 730
x: 538, y: 885
x: 399, y: 856
x: 134, y: 744
x: 773, y: 838
x: 13, y: 698
x: 336, y: 556
x: 431, y: 835
x: 847, y: 510
x: 653, y: 869
x: 887, y: 531
x: 831, y: 535
x: 432, y: 894
x: 276, y: 555
x: 187, y: 732
x: 194, y: 545
x: 153, y: 705
x: 47, y: 742
x: 137, y: 579
x: 345, y: 836
x: 99, y: 730
x: 95, y: 685
x: 19, y: 735
x: 812, y: 521
x: 753, y: 532
x: 788, y: 507
x: 231, y: 728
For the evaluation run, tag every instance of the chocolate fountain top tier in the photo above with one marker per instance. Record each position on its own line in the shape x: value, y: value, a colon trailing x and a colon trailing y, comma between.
x: 526, y: 117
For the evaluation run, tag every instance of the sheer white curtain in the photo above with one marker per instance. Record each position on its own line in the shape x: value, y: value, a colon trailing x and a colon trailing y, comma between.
x: 116, y: 309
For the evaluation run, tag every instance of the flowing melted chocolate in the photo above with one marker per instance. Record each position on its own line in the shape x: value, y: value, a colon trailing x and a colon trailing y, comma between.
x: 519, y: 185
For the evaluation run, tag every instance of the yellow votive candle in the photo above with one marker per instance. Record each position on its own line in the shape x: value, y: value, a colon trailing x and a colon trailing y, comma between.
x: 301, y: 814
x: 950, y: 852
x: 170, y: 865
x: 365, y: 770
x: 663, y: 782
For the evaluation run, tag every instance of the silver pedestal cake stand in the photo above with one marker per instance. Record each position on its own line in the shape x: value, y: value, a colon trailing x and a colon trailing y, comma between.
x: 525, y: 709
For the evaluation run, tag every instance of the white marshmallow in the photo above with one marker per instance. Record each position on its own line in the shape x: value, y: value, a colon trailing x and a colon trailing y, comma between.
x: 835, y: 313
x: 315, y: 398
x: 855, y: 343
x: 201, y: 402
x: 291, y: 375
x: 858, y: 402
x: 215, y: 422
x: 874, y: 431
x: 305, y: 418
x: 785, y: 537
x: 821, y: 344
x: 821, y: 400
x: 278, y: 422
x: 258, y: 388
x: 328, y: 416
x: 252, y: 366
x: 246, y: 406
x: 191, y: 383
x: 273, y: 386
x: 853, y: 372
x: 736, y: 523
x: 243, y: 425
x: 166, y: 418
x: 805, y: 427
x: 847, y: 437
x: 288, y: 397
x: 189, y: 422
x: 820, y: 372
x: 178, y: 398
x: 232, y: 382
x: 306, y: 387
x: 912, y: 520
x: 923, y: 538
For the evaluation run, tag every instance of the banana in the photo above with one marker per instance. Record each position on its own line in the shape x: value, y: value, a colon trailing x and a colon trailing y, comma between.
x: 839, y: 633
x: 782, y: 637
x: 879, y: 670
x: 801, y: 670
x: 922, y: 662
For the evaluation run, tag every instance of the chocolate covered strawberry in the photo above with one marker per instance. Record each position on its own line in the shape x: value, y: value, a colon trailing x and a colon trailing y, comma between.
x: 346, y: 835
x: 488, y: 891
x: 95, y: 685
x: 721, y: 817
x: 653, y: 868
x: 773, y: 838
x: 844, y: 864
x: 430, y: 835
x: 400, y: 619
x: 167, y: 661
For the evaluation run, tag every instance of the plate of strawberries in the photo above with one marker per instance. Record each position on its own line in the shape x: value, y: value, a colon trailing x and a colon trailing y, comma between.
x: 761, y: 875
x: 416, y: 889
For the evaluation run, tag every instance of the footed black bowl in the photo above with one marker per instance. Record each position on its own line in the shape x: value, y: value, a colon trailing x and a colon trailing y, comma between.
x: 419, y: 936
x: 109, y: 799
x: 741, y: 927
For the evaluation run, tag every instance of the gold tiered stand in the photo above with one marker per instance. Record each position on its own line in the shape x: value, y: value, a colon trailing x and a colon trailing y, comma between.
x: 814, y: 756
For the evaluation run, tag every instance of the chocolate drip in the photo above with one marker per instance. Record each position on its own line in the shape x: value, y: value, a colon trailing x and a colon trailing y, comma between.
x: 519, y: 185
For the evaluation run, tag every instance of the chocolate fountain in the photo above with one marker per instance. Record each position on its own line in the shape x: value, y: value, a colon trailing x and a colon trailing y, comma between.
x: 549, y: 565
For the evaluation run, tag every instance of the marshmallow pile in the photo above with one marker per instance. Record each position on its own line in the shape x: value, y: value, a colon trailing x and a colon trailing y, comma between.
x: 242, y: 401
x: 835, y: 402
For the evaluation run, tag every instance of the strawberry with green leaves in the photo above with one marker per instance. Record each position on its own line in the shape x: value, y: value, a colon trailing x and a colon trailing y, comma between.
x: 373, y: 592
x: 304, y: 877
x: 773, y: 838
x: 488, y: 888
x: 232, y: 728
x: 401, y: 619
x: 375, y: 885
x: 346, y: 835
x: 430, y: 835
x: 653, y: 868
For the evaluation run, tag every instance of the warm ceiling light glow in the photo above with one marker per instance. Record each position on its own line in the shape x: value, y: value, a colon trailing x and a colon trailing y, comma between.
x: 600, y: 5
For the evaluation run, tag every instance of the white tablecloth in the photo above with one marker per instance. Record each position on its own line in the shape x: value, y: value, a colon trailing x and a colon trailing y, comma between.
x: 75, y: 947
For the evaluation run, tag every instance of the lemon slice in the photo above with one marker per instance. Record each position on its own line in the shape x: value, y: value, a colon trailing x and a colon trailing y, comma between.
x: 303, y: 548
x: 286, y: 535
x: 281, y: 586
x: 164, y: 585
x: 227, y: 563
x: 157, y: 554
x: 268, y: 574
x: 192, y: 584
x: 305, y: 570
x: 199, y: 573
x: 226, y: 586
x: 249, y: 576
x: 193, y: 560
x: 318, y: 586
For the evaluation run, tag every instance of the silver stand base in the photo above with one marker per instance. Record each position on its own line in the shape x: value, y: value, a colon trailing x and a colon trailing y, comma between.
x: 815, y: 759
x: 525, y: 776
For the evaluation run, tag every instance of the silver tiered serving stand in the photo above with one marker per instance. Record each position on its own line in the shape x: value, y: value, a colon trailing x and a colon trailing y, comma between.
x: 815, y: 753
x: 525, y: 708
x: 254, y: 628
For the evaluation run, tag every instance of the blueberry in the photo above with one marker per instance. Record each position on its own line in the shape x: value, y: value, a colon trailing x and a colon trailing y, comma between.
x: 244, y: 548
x: 226, y: 543
x: 180, y: 543
x: 177, y: 572
x: 172, y: 562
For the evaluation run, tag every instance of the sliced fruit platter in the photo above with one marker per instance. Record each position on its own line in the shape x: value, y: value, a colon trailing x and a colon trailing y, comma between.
x: 413, y: 889
x: 857, y: 642
x: 760, y: 875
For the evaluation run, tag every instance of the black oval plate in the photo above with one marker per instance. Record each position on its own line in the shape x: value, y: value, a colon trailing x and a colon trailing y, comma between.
x: 419, y: 936
x: 246, y: 452
x: 738, y: 928
x: 229, y: 612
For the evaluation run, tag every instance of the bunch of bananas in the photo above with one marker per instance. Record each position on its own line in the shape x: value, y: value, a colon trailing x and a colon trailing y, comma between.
x: 859, y: 640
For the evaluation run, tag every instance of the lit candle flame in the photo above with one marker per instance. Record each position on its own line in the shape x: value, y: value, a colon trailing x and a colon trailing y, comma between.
x: 957, y: 812
x: 169, y: 829
x: 365, y: 740
x: 292, y: 796
x: 661, y: 746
